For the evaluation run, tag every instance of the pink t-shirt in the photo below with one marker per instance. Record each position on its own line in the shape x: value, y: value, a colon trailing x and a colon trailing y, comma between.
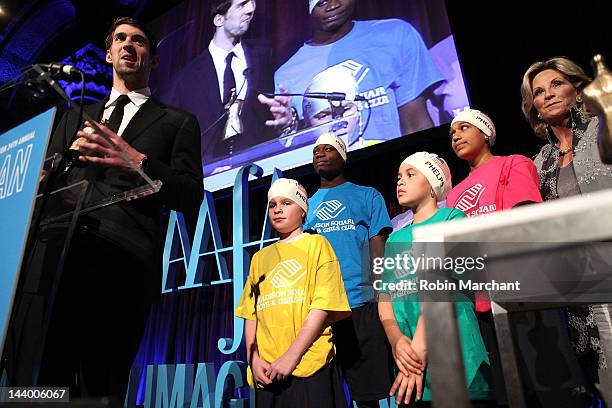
x: 500, y: 184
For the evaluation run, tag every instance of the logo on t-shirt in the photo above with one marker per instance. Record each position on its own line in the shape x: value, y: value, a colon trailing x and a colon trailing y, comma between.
x: 470, y: 197
x: 329, y: 210
x: 376, y: 96
x: 286, y: 273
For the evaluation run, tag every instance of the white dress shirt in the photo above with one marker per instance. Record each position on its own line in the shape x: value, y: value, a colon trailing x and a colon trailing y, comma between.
x: 239, y: 65
x: 137, y: 99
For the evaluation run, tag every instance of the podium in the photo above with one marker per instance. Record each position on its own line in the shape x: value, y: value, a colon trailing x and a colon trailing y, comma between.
x: 22, y: 150
x: 40, y: 276
x: 558, y: 263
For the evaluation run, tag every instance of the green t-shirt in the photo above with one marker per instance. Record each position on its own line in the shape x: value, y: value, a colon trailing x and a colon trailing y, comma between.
x: 406, y: 308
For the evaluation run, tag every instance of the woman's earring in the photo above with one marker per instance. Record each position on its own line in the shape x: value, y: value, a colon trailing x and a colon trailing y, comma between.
x: 579, y: 98
x: 539, y: 116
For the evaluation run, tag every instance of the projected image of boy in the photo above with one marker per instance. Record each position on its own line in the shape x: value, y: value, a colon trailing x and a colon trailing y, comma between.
x: 336, y: 79
x: 423, y: 179
x: 355, y: 221
x: 293, y: 293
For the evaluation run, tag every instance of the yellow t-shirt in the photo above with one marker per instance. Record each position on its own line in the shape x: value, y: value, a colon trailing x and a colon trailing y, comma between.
x: 286, y: 280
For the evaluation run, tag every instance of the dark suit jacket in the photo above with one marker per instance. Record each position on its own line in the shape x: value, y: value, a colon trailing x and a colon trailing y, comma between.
x: 171, y: 140
x: 196, y: 89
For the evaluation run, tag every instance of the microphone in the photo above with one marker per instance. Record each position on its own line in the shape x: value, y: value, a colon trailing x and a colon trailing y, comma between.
x: 59, y: 68
x: 332, y: 96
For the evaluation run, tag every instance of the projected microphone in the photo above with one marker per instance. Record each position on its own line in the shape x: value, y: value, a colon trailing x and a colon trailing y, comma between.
x: 331, y: 96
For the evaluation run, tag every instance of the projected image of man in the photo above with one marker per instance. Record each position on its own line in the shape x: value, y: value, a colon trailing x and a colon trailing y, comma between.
x: 221, y: 85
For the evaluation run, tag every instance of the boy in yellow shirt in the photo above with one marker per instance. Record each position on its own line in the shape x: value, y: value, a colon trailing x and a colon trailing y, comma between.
x: 292, y: 295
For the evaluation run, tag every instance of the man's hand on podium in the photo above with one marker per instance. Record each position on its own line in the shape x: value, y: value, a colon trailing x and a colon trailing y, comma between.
x: 97, y: 150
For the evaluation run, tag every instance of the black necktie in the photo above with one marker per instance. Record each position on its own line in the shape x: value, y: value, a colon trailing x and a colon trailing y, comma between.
x: 229, y: 81
x: 114, y: 122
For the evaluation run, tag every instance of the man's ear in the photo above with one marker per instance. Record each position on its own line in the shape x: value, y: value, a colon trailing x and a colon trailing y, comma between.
x: 109, y: 59
x: 218, y: 20
x: 154, y: 61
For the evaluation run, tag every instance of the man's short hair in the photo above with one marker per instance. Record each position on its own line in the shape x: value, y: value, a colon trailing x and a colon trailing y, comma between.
x: 108, y: 41
x: 220, y: 7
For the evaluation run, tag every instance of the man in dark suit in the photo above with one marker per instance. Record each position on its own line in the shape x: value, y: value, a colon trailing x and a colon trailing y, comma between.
x: 204, y: 86
x: 113, y: 267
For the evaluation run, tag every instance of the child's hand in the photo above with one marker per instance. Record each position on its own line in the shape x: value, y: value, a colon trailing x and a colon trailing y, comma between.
x: 407, y: 360
x: 282, y: 367
x: 405, y: 385
x: 259, y: 367
x: 420, y: 348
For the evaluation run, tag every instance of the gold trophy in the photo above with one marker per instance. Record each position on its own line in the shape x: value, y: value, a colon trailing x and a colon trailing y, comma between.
x: 233, y: 125
x: 598, y: 99
x: 72, y: 155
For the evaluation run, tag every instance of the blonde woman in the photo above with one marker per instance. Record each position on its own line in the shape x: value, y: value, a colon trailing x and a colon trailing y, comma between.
x: 568, y: 165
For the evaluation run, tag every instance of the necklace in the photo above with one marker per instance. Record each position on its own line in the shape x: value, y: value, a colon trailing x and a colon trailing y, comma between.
x: 563, y: 152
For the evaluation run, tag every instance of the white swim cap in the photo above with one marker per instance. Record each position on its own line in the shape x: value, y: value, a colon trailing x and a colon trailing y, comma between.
x: 435, y: 170
x: 478, y: 119
x: 291, y: 189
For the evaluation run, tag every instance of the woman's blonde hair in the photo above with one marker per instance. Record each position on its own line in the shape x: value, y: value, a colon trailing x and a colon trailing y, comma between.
x: 566, y: 67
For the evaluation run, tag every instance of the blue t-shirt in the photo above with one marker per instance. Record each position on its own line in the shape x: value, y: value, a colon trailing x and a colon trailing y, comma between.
x: 388, y: 59
x: 348, y: 216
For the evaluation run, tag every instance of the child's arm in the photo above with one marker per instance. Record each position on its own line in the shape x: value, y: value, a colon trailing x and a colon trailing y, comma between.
x: 258, y: 365
x: 419, y: 341
x: 405, y: 357
x: 419, y: 344
x: 310, y: 331
x: 250, y: 328
x: 377, y: 250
